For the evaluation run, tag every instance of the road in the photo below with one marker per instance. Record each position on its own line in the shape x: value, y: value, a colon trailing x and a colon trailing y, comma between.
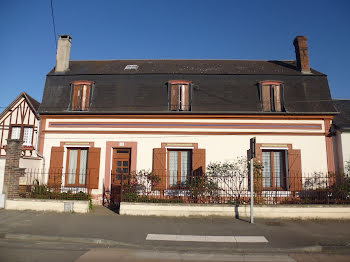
x: 102, y: 235
x: 37, y: 251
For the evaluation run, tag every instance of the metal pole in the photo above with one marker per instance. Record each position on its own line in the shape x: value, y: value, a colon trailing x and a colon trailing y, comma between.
x: 251, y: 190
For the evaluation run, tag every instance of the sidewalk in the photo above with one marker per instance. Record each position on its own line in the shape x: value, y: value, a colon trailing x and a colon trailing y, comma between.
x: 105, y: 228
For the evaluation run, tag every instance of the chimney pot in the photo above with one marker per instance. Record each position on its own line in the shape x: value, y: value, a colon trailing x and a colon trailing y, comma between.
x: 63, y: 53
x: 302, y: 54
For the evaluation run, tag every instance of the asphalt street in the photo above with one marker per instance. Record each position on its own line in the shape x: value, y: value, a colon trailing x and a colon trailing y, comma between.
x: 36, y: 236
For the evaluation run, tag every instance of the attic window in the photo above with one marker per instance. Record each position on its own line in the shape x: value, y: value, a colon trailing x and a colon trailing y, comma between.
x: 271, y: 96
x: 131, y: 67
x: 180, y: 98
x: 81, y: 94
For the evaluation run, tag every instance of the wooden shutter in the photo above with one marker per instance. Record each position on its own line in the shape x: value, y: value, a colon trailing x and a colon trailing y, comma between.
x: 185, y: 97
x: 277, y: 98
x: 159, y: 166
x: 87, y: 97
x: 77, y: 95
x: 295, y: 174
x: 198, y: 162
x: 93, y: 170
x: 174, y: 97
x: 56, y: 165
x: 266, y: 98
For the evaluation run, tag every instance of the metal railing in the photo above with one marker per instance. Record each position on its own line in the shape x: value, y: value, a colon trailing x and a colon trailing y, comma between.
x: 308, y: 188
x: 55, y: 184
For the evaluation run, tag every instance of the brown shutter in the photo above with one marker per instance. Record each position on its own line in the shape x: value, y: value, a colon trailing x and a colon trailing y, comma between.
x: 77, y: 93
x: 277, y: 98
x: 159, y: 168
x: 56, y: 165
x: 266, y: 98
x: 185, y: 94
x: 198, y: 164
x: 174, y: 97
x: 93, y: 170
x: 295, y: 174
x: 87, y: 98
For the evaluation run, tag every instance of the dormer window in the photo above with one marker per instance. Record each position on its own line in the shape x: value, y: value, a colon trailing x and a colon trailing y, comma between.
x: 179, y: 95
x: 271, y: 96
x: 81, y: 95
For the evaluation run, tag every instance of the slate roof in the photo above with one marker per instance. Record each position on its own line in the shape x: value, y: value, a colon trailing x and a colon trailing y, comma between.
x: 342, y: 120
x: 188, y: 67
x: 220, y: 86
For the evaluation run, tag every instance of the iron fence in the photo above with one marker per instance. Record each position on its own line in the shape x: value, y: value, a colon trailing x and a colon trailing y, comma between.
x: 55, y: 184
x: 234, y: 188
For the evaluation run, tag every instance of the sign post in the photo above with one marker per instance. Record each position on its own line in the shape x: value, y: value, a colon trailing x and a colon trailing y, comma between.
x: 252, y: 155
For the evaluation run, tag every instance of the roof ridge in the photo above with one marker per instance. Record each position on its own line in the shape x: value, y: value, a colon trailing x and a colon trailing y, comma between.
x: 184, y: 59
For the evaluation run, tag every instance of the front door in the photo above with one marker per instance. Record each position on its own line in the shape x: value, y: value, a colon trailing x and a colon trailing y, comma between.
x: 120, y: 172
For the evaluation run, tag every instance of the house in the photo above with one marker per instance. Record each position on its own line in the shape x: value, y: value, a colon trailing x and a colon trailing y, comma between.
x: 20, y: 120
x: 341, y: 128
x: 101, y: 119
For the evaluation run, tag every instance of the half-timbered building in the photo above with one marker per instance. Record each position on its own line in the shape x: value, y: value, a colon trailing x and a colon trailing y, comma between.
x: 20, y: 120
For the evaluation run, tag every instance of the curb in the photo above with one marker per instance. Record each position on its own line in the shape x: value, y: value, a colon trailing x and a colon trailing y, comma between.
x: 305, y: 249
x: 112, y: 243
x: 95, y: 241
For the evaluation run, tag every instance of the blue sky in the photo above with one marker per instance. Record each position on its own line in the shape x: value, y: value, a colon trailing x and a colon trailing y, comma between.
x: 181, y: 29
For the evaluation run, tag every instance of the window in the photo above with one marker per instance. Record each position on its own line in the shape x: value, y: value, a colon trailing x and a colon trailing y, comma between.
x: 175, y: 165
x: 81, y: 95
x: 16, y: 132
x: 274, y: 169
x: 77, y: 159
x: 271, y: 96
x: 180, y: 165
x: 179, y: 95
x: 23, y: 132
x: 27, y: 136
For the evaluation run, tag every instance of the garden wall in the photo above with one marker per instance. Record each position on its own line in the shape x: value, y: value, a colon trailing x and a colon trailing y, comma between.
x: 78, y: 206
x: 285, y: 211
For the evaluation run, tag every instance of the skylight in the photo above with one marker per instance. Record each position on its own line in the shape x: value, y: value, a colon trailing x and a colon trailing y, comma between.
x: 131, y: 67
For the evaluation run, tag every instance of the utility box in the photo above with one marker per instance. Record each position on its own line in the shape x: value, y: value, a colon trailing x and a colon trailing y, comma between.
x: 68, y: 206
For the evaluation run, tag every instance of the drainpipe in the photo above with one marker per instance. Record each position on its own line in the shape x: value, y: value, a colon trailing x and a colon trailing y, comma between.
x: 38, y: 154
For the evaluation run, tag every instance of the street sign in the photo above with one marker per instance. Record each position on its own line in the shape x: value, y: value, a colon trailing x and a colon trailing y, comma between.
x: 253, y: 147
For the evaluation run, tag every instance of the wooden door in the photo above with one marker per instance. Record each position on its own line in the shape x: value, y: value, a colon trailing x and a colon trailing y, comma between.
x: 120, y: 171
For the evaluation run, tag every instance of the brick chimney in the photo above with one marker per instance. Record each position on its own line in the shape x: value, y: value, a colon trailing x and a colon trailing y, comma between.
x: 63, y: 53
x: 302, y: 54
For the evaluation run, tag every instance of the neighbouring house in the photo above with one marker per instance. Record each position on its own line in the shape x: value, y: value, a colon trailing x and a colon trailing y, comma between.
x: 20, y: 120
x: 104, y: 119
x: 341, y: 128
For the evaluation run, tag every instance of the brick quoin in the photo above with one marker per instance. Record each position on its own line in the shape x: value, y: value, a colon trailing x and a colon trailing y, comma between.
x: 12, y: 170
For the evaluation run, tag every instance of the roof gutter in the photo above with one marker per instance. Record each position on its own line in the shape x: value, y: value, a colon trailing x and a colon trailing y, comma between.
x: 183, y: 113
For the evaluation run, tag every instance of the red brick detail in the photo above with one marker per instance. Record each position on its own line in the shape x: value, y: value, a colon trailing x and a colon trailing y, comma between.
x: 12, y: 170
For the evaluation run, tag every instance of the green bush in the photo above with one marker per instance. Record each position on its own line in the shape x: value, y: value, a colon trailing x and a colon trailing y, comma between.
x: 41, y: 191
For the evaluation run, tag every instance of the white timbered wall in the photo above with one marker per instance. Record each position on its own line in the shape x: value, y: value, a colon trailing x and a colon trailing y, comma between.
x: 20, y: 115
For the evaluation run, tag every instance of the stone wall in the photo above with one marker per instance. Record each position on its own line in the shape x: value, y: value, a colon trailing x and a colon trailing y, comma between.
x: 12, y: 170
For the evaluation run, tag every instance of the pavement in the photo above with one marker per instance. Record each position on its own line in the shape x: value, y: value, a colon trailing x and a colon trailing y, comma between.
x: 105, y: 232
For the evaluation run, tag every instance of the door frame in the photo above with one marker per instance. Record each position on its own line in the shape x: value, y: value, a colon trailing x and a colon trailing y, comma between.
x: 109, y: 156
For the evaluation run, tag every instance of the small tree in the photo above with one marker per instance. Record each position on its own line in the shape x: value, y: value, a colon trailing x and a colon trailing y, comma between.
x: 140, y: 183
x: 200, y: 188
